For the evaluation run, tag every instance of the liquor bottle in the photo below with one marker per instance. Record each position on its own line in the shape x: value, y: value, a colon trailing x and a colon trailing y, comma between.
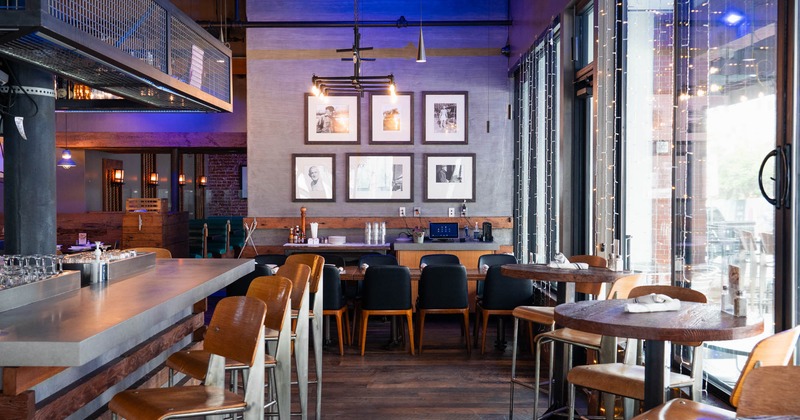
x: 291, y: 236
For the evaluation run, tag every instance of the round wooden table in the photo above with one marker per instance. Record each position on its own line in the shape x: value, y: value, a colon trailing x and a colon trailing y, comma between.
x: 692, y: 322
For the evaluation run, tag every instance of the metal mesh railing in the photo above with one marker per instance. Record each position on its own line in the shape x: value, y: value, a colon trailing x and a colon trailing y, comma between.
x: 196, y: 63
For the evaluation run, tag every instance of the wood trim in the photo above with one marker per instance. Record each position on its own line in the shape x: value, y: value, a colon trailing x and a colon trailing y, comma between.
x: 90, y: 387
x: 17, y: 380
x: 498, y: 222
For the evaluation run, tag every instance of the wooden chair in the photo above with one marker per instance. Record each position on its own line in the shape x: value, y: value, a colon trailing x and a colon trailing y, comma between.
x: 387, y: 291
x: 627, y: 379
x: 235, y: 332
x: 275, y: 292
x: 443, y: 290
x: 300, y: 275
x: 160, y: 252
x: 766, y: 386
x: 316, y: 314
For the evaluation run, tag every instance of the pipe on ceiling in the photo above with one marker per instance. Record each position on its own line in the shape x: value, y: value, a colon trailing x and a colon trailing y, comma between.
x: 399, y: 23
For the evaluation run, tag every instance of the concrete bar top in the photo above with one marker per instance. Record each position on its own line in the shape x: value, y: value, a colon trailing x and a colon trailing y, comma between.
x: 446, y: 246
x: 76, y: 327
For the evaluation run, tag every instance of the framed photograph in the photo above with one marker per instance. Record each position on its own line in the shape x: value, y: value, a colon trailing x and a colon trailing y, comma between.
x: 446, y: 118
x: 391, y: 118
x: 331, y: 120
x: 380, y: 177
x: 313, y: 178
x: 449, y: 177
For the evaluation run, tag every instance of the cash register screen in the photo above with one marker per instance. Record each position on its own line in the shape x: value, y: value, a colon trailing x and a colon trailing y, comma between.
x: 443, y: 231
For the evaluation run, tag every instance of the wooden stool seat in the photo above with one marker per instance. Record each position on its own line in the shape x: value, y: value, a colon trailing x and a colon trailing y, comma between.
x: 538, y: 314
x: 683, y: 409
x: 162, y: 403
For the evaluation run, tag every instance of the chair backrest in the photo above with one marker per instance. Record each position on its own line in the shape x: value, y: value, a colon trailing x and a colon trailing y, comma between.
x: 496, y: 259
x: 275, y: 291
x: 220, y: 228
x: 316, y: 262
x: 443, y: 287
x: 198, y: 237
x: 277, y: 259
x: 439, y: 259
x: 332, y: 291
x: 621, y: 288
x: 770, y: 391
x: 675, y: 292
x: 597, y: 261
x: 300, y: 275
x: 335, y: 259
x: 235, y: 328
x: 377, y: 259
x: 502, y: 292
x: 160, y: 252
x: 386, y: 287
x: 775, y: 350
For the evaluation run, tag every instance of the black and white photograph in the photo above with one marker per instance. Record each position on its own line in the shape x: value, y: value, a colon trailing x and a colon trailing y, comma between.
x: 391, y: 118
x: 331, y: 119
x: 449, y: 177
x: 313, y: 177
x: 445, y: 117
x: 379, y: 177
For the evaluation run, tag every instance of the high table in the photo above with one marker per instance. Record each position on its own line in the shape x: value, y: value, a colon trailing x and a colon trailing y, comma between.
x: 566, y: 293
x: 692, y: 322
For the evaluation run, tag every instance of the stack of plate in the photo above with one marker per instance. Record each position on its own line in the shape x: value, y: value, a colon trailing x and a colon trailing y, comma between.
x: 337, y: 240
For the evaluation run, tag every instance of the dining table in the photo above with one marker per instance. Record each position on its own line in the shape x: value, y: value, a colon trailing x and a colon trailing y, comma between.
x: 692, y: 322
x: 565, y: 293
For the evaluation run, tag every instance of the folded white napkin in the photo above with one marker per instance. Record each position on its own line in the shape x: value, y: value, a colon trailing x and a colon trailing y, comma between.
x: 341, y: 270
x: 652, y: 303
x: 484, y: 268
x: 422, y: 266
x: 364, y: 267
x: 569, y: 265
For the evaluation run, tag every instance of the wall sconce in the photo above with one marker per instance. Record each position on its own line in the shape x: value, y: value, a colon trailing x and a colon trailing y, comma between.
x: 118, y: 176
x: 153, y: 178
x: 181, y: 179
x: 202, y: 181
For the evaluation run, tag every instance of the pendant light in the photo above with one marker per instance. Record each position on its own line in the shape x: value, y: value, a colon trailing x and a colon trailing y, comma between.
x: 66, y: 160
x: 421, y: 57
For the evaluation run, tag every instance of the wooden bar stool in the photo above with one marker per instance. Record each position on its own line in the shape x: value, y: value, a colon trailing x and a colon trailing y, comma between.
x: 235, y: 332
x: 300, y: 275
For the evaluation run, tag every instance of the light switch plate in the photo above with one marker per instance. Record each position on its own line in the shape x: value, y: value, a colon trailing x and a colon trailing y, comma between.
x: 451, y: 212
x: 402, y: 212
x: 417, y: 211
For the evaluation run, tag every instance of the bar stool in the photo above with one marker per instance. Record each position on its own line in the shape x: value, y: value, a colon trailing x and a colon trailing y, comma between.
x: 300, y: 275
x: 316, y: 262
x: 235, y: 332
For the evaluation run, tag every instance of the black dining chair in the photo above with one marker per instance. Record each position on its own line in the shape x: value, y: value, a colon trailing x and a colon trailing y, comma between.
x: 439, y: 259
x: 377, y: 259
x: 443, y: 290
x: 239, y: 287
x: 501, y: 295
x: 387, y: 291
x: 277, y: 259
x: 334, y: 303
x: 490, y: 260
x: 353, y: 288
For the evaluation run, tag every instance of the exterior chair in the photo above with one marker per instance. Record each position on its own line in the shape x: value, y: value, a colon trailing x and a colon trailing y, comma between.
x: 627, y: 379
x: 501, y: 295
x: 619, y: 290
x: 160, y: 252
x: 766, y: 386
x: 443, y: 290
x: 316, y: 262
x: 334, y: 303
x: 235, y: 332
x: 387, y: 291
x: 439, y: 259
x: 275, y: 292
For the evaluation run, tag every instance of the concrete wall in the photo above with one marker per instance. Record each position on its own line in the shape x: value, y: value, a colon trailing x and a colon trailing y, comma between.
x: 280, y: 65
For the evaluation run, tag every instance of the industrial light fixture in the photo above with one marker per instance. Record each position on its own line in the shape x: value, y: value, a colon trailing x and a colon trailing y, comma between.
x: 421, y: 57
x: 181, y: 179
x: 118, y: 176
x: 153, y: 178
x: 202, y: 181
x: 66, y: 160
x: 324, y: 85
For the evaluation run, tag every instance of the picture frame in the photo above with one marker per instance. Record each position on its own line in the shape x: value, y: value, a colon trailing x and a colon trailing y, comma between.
x: 391, y: 118
x: 449, y: 177
x: 378, y: 177
x: 313, y: 177
x: 445, y: 118
x: 333, y: 119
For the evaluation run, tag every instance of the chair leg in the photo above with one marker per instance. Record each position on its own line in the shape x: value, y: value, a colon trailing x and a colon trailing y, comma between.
x: 466, y: 328
x: 338, y: 316
x: 410, y: 322
x: 347, y: 329
x: 421, y: 326
x: 364, y: 322
x: 571, y: 400
x: 475, y: 327
x: 485, y: 320
x: 514, y: 371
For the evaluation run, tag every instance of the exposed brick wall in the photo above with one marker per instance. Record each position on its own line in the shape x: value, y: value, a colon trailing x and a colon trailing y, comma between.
x: 224, y: 185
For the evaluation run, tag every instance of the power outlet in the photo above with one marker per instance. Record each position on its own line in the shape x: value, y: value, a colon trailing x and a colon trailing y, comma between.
x: 451, y: 212
x: 417, y: 211
x: 402, y: 212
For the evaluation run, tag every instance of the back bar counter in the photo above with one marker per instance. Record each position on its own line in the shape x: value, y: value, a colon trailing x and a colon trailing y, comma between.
x: 68, y: 354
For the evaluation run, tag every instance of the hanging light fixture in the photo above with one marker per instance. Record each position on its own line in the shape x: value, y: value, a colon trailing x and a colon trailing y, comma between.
x: 325, y: 85
x: 66, y: 160
x: 118, y: 176
x: 202, y: 181
x: 181, y: 179
x: 153, y: 178
x: 421, y: 57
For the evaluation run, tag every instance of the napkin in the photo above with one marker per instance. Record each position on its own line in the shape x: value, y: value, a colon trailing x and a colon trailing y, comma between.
x: 341, y: 270
x: 652, y: 303
x: 484, y: 268
x: 569, y: 265
x: 422, y: 266
x: 364, y: 267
